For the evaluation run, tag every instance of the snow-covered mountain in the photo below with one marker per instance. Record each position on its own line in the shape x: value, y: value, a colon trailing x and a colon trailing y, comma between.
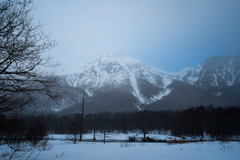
x: 121, y: 71
x: 118, y: 82
x: 215, y: 71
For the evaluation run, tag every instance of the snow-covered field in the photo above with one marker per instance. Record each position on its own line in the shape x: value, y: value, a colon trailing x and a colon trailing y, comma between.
x: 118, y: 137
x: 65, y: 150
x: 142, y: 151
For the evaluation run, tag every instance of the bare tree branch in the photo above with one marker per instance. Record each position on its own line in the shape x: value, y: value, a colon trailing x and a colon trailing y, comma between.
x: 21, y: 46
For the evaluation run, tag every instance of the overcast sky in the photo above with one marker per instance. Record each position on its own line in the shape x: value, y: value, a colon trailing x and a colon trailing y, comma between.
x: 167, y: 34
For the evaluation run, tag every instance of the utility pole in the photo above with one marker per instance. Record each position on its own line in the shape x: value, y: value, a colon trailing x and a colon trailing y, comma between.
x: 82, y: 118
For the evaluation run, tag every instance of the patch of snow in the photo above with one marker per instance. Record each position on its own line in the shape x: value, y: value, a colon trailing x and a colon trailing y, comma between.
x: 231, y: 71
x: 214, y: 82
x: 136, y: 91
x: 192, y: 80
x: 228, y: 68
x: 159, y: 96
x: 90, y: 94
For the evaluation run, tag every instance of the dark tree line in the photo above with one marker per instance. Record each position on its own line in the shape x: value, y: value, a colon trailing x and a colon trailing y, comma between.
x: 17, y: 130
x: 216, y: 122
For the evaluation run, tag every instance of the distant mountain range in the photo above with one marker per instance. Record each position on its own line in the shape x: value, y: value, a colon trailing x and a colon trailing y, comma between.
x: 117, y: 83
x: 215, y: 71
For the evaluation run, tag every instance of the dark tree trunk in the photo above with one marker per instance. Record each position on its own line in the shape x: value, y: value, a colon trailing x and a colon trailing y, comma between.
x: 81, y: 129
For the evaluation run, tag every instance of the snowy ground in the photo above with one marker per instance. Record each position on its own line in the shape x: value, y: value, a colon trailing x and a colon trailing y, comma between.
x: 143, y: 151
x: 110, y: 137
x: 65, y: 150
x: 119, y: 137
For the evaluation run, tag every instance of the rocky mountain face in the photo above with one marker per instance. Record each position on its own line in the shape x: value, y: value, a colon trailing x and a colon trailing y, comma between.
x: 121, y: 72
x: 117, y: 83
x: 215, y: 71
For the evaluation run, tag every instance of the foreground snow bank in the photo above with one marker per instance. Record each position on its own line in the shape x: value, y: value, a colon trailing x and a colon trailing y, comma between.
x: 65, y: 150
x: 123, y: 150
x: 142, y: 151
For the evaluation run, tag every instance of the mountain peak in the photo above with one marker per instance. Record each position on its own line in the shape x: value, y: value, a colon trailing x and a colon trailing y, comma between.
x: 215, y: 71
x: 114, y: 55
x: 121, y: 71
x: 119, y: 58
x: 120, y: 75
x: 118, y: 54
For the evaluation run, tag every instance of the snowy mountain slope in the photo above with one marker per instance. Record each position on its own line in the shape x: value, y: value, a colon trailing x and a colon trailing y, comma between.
x: 185, y: 95
x: 119, y: 70
x: 215, y: 71
x: 117, y: 83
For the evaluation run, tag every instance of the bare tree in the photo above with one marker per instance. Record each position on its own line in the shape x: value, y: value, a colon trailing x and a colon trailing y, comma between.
x: 145, y: 124
x: 74, y: 131
x: 94, y: 128
x: 21, y: 46
x: 82, y: 118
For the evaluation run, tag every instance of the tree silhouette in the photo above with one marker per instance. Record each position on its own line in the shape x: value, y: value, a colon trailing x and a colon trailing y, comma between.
x: 21, y: 46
